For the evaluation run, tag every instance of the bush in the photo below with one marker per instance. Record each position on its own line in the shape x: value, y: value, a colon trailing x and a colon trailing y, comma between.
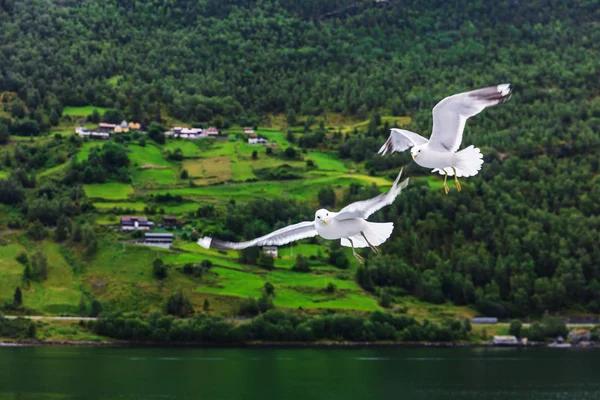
x: 301, y: 264
x: 385, y: 300
x: 22, y: 258
x: 96, y: 308
x: 265, y: 260
x: 515, y: 328
x: 330, y: 288
x: 265, y: 302
x: 179, y: 305
x: 159, y: 269
x: 269, y: 289
x: 248, y: 307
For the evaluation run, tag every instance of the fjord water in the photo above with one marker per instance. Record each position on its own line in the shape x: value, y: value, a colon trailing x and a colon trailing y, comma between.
x: 261, y: 374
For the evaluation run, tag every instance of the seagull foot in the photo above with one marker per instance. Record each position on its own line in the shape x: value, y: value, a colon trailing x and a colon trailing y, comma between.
x: 446, y: 188
x: 375, y: 249
x: 458, y: 187
x: 358, y: 258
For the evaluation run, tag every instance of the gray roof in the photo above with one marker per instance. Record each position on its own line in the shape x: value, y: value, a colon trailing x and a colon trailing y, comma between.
x: 159, y: 235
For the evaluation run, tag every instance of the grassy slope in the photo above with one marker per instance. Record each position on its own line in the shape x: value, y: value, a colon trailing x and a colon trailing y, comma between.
x: 83, y: 111
x: 120, y: 275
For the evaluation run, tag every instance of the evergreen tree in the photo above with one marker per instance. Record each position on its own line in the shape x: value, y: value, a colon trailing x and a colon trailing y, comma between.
x: 83, y: 310
x: 18, y: 297
x: 96, y: 308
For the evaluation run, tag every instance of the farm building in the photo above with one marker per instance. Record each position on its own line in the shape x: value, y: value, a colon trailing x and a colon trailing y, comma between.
x: 170, y: 221
x: 271, y: 250
x: 186, y: 133
x: 164, y: 240
x: 107, y: 127
x: 212, y: 131
x: 484, y: 320
x: 261, y: 141
x: 132, y: 223
x: 91, y: 134
x: 250, y: 132
x: 506, y: 340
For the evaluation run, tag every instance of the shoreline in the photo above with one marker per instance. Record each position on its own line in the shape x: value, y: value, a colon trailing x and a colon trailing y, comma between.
x: 267, y: 345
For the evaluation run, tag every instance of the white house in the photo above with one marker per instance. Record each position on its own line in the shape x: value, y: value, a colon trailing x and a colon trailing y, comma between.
x: 505, y: 340
x: 86, y: 133
x: 271, y: 250
x: 261, y: 141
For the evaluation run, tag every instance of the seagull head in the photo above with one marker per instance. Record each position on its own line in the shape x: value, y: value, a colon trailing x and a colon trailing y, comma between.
x: 321, y: 216
x: 416, y: 151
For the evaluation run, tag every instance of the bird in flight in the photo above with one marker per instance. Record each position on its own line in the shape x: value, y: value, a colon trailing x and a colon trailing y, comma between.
x: 449, y: 118
x: 349, y: 224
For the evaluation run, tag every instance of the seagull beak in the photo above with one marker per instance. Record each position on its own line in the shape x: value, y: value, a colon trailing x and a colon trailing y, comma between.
x: 414, y: 156
x: 325, y: 222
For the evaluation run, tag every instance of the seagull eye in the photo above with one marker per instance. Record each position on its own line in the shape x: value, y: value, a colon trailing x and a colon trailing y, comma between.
x: 319, y: 217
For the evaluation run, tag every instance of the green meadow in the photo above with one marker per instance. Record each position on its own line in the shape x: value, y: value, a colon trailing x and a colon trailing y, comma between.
x: 83, y: 111
x: 120, y: 274
x: 108, y: 191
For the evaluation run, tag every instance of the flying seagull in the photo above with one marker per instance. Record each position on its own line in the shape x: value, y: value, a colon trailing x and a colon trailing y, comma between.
x: 449, y: 117
x: 349, y: 224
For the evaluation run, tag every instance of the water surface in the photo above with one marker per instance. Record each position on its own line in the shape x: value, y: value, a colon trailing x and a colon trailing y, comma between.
x: 302, y: 374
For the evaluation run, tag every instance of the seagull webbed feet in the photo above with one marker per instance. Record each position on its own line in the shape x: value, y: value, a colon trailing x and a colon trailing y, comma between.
x: 458, y: 186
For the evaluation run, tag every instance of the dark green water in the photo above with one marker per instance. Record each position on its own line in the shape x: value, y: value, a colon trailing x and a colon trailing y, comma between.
x: 257, y: 374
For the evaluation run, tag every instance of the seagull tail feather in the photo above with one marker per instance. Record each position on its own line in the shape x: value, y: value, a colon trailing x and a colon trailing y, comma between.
x: 469, y: 162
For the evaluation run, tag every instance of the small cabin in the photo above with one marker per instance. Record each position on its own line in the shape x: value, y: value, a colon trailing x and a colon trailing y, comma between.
x: 484, y: 320
x: 164, y: 240
x: 505, y: 340
x: 270, y: 250
x: 170, y: 221
x: 133, y: 223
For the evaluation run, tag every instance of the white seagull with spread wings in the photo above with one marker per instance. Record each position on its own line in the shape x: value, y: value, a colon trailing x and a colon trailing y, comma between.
x: 449, y: 118
x: 349, y: 224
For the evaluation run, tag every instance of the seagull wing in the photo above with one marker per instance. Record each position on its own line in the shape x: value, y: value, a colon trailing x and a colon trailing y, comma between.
x: 363, y: 209
x: 400, y: 140
x: 451, y: 114
x: 280, y: 237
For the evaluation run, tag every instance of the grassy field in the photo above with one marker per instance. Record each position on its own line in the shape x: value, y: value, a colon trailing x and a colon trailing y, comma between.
x: 301, y: 189
x: 108, y: 191
x: 209, y: 170
x: 57, y: 295
x: 148, y: 155
x: 83, y: 111
x: 120, y: 274
x: 84, y: 151
x: 188, y: 148
x: 114, y: 80
x: 154, y: 177
x: 326, y: 162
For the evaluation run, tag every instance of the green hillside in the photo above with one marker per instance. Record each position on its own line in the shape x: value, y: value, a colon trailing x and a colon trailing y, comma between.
x: 323, y: 81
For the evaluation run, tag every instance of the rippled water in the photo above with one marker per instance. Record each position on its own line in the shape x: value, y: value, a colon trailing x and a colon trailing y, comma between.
x: 219, y: 374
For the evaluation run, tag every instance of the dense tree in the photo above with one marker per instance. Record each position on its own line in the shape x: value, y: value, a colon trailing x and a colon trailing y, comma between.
x: 515, y: 328
x: 159, y: 269
x: 4, y: 134
x: 18, y: 297
x: 39, y: 266
x: 301, y: 264
x: 96, y: 308
x: 326, y: 197
x: 178, y: 304
x: 83, y: 310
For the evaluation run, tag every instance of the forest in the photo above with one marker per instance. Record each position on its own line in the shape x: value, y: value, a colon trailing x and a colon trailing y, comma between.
x: 520, y: 239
